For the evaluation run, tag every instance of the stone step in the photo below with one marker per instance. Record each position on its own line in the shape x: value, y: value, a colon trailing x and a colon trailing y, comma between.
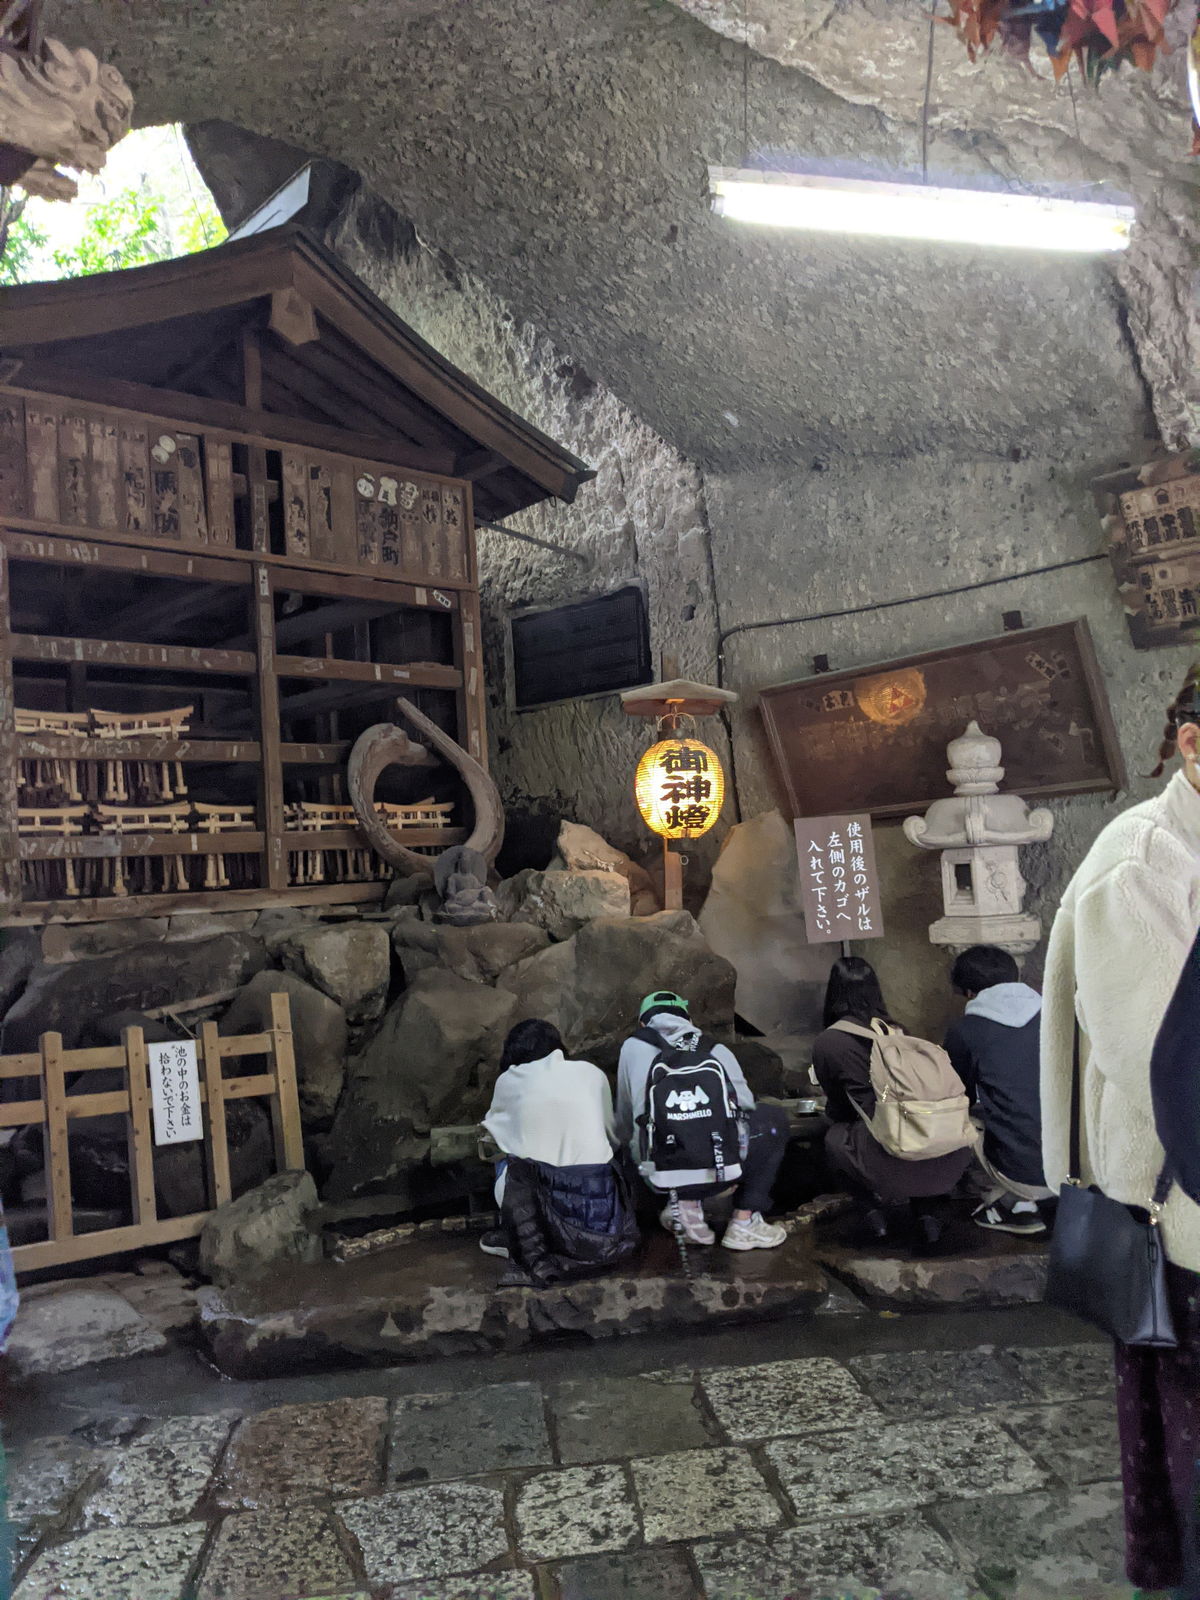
x: 440, y: 1296
x: 969, y: 1267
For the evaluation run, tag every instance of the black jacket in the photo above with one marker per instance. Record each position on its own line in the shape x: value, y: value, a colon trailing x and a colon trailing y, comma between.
x: 566, y: 1222
x: 999, y: 1065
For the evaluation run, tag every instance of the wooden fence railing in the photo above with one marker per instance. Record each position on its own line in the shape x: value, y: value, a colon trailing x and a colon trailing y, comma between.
x: 55, y: 1110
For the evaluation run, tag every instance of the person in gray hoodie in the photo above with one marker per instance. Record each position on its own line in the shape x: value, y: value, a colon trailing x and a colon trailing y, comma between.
x: 763, y: 1137
x: 994, y: 1048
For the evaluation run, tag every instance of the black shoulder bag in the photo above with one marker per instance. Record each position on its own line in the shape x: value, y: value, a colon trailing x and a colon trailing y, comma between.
x: 1106, y: 1259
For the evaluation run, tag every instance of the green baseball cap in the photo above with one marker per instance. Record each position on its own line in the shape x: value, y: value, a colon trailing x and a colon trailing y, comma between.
x: 662, y: 1000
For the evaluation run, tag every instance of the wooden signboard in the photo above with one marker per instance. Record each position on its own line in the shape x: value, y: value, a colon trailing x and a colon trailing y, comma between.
x: 839, y: 886
x: 875, y: 739
x: 175, y: 1091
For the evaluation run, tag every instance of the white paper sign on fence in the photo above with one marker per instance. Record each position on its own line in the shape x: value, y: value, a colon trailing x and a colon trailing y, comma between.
x: 175, y: 1091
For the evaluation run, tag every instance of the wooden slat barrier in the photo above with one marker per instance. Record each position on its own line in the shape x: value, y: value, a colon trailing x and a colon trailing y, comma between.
x: 55, y: 1110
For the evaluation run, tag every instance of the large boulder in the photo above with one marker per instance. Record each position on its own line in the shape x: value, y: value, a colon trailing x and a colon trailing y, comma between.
x: 264, y: 1229
x: 590, y: 986
x: 479, y: 953
x: 753, y: 917
x: 318, y: 1035
x: 582, y: 849
x: 350, y: 962
x: 433, y: 1060
x: 562, y: 902
x: 482, y: 953
x: 68, y: 997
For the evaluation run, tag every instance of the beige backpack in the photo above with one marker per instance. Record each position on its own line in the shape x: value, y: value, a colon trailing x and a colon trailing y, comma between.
x: 921, y: 1106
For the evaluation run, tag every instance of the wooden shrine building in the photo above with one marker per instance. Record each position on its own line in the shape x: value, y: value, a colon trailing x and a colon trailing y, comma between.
x: 236, y: 520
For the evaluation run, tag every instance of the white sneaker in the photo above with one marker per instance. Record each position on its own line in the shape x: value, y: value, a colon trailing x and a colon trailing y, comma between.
x: 754, y: 1235
x: 695, y: 1229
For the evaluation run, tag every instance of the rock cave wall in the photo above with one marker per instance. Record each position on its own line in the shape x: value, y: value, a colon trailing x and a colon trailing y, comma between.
x: 871, y: 531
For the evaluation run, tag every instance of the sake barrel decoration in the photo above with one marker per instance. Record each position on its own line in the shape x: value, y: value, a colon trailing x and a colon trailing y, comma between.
x: 679, y: 788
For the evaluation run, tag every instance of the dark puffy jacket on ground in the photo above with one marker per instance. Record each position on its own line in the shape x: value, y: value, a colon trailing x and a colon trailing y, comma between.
x: 567, y: 1222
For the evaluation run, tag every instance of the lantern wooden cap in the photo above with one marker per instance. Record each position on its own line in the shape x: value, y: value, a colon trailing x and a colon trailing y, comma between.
x: 679, y: 694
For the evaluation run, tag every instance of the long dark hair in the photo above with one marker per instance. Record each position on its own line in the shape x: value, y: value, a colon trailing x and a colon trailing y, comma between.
x: 530, y: 1041
x: 853, y: 993
x: 1182, y: 709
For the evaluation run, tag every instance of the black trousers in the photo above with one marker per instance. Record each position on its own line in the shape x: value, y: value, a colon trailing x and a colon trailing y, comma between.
x: 767, y: 1137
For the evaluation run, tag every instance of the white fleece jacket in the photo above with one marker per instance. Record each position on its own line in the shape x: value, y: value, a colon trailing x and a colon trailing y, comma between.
x: 1117, y: 947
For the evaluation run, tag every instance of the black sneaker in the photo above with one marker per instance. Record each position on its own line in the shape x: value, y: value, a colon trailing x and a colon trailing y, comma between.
x: 1010, y: 1216
x: 876, y: 1223
x: 493, y: 1243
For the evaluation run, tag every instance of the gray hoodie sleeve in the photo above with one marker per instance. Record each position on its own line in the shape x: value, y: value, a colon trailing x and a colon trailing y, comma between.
x: 737, y: 1077
x: 628, y: 1090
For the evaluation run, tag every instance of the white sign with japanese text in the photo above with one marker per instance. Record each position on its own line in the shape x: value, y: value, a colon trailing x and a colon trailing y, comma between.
x: 839, y: 886
x: 175, y: 1092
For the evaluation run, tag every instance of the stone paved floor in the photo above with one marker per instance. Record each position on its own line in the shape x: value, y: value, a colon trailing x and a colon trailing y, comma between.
x: 885, y: 1454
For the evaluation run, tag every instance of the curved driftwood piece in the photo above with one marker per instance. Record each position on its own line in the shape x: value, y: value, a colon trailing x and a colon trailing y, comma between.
x: 386, y: 745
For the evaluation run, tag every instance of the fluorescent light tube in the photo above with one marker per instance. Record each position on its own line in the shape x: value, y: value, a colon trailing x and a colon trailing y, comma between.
x: 919, y: 211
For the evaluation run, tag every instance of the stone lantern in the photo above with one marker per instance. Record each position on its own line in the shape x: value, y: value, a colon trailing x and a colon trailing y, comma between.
x: 979, y: 832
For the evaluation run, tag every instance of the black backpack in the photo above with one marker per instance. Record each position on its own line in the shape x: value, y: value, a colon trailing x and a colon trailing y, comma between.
x: 690, y: 1117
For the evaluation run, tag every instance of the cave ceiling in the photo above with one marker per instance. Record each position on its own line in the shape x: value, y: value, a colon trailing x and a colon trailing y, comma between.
x: 558, y: 151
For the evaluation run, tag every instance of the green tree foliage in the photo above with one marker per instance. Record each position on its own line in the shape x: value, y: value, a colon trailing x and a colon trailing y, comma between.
x: 132, y: 228
x: 20, y: 240
x: 126, y: 231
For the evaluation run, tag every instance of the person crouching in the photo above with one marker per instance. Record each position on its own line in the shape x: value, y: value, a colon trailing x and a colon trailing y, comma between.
x: 689, y: 1119
x: 565, y: 1208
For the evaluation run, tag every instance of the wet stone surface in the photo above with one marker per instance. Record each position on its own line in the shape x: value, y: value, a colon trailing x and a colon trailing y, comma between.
x: 63, y: 1327
x: 1066, y: 1372
x: 601, y: 1419
x: 296, y: 1453
x: 433, y: 1435
x: 263, y: 1554
x: 890, y: 1553
x: 578, y: 1511
x: 940, y: 1381
x: 161, y: 1476
x: 900, y: 1466
x: 43, y: 1485
x: 444, y: 1529
x: 935, y: 1486
x: 1077, y: 1442
x: 483, y: 1586
x: 701, y: 1493
x: 811, y: 1396
x: 641, y: 1575
x: 1044, y: 1546
x: 116, y: 1564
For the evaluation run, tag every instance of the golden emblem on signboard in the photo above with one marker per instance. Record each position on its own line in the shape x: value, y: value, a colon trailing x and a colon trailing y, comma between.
x: 893, y: 698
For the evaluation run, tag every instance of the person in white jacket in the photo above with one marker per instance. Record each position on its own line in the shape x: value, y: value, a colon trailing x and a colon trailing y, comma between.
x: 1123, y: 931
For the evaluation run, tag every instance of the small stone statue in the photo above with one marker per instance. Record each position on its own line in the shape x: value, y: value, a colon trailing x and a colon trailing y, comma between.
x: 460, y: 875
x: 979, y: 833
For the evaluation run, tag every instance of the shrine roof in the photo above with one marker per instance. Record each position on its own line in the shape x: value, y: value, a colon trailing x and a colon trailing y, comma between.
x: 332, y: 353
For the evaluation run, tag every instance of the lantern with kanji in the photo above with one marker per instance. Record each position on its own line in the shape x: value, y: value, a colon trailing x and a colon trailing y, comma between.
x: 679, y: 788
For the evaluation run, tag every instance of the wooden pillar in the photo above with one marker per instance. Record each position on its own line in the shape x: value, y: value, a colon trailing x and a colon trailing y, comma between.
x: 285, y: 1109
x: 10, y: 863
x: 256, y: 455
x: 672, y: 879
x: 274, y: 868
x: 220, y: 1187
x: 468, y: 658
x: 139, y: 1129
x: 56, y: 1153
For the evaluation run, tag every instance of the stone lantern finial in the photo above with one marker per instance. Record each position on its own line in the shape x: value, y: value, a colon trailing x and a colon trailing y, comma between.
x: 979, y: 832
